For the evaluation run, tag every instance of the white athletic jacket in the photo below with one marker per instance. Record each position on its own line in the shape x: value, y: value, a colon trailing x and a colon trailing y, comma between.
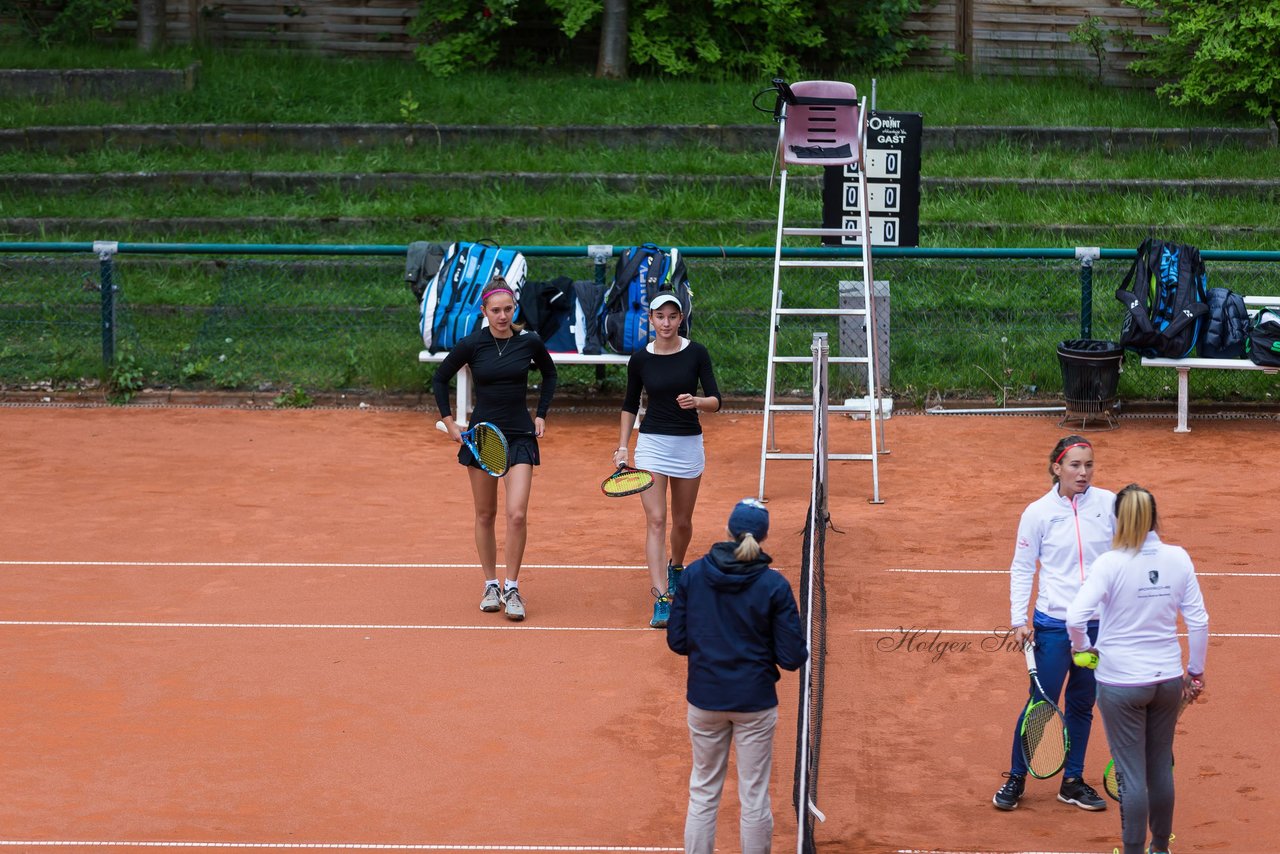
x: 1064, y: 536
x: 1138, y: 596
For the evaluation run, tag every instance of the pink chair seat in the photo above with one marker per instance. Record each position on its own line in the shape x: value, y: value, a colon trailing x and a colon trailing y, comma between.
x: 822, y: 134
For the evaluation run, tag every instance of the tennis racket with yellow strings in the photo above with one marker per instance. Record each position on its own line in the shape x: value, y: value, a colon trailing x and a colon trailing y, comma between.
x: 626, y: 481
x: 487, y: 444
x: 1043, y: 733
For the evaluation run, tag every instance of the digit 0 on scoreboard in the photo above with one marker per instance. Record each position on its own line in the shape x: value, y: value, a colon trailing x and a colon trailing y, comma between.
x: 884, y: 164
x: 884, y: 230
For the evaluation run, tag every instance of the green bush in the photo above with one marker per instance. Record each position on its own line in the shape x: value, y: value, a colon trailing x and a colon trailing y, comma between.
x: 460, y: 34
x: 864, y: 34
x: 733, y: 37
x: 51, y: 22
x: 679, y: 37
x: 1217, y: 53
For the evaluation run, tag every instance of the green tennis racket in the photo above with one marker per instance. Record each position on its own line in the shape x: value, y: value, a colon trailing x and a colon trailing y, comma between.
x: 1043, y: 733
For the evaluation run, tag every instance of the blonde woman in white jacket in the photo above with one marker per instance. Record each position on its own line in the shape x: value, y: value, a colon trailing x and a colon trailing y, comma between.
x: 1139, y: 588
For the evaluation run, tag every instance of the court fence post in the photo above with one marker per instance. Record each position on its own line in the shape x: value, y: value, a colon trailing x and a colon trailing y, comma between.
x: 600, y: 253
x: 106, y: 251
x: 1087, y: 255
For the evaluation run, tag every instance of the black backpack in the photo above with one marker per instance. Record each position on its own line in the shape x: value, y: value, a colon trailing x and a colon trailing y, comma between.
x: 422, y: 262
x: 1264, y: 338
x: 642, y: 273
x: 565, y: 314
x: 1226, y: 327
x: 1165, y: 309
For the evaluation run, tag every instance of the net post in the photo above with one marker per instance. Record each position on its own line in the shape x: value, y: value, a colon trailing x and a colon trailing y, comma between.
x: 820, y: 348
x: 106, y: 251
x: 813, y: 602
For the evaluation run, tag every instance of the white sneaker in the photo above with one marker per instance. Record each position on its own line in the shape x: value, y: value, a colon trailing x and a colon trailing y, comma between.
x: 492, y: 600
x: 515, y: 604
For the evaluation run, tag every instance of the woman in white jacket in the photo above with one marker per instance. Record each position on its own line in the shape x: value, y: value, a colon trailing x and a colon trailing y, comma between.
x: 1139, y: 588
x: 1059, y: 535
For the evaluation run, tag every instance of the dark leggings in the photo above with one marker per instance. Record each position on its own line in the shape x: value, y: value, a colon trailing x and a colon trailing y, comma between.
x: 1140, y: 721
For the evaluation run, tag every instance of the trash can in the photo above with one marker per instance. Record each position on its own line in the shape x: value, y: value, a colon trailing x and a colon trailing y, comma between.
x: 1090, y: 375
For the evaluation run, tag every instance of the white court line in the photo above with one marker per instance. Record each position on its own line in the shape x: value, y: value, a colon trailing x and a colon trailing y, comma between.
x: 308, y: 565
x: 345, y: 846
x: 915, y: 630
x: 1006, y: 572
x: 113, y: 624
x: 368, y: 627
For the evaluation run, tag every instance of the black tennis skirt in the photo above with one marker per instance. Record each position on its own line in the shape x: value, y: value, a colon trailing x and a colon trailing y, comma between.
x: 521, y: 450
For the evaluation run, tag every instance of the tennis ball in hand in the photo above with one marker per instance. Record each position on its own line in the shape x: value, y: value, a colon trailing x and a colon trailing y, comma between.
x: 1086, y: 659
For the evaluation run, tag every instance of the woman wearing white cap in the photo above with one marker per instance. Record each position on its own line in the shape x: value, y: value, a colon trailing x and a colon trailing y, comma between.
x: 736, y: 619
x: 671, y: 368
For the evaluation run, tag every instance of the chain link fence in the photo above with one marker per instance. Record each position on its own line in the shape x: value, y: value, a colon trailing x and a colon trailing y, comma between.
x: 978, y: 327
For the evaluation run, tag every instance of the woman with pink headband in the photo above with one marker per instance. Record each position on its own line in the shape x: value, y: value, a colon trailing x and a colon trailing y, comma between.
x: 1060, y: 533
x: 500, y: 355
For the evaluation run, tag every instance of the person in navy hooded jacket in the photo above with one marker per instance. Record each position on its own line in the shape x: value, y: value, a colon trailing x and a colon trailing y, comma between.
x: 736, y: 619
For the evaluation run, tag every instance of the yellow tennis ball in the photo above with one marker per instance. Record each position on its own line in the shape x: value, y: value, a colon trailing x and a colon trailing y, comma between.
x: 1086, y: 659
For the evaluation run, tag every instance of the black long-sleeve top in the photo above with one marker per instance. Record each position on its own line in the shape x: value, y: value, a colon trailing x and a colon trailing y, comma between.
x: 665, y: 378
x: 501, y: 371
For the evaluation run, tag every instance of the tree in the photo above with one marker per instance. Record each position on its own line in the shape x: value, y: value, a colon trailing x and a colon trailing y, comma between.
x: 150, y: 25
x: 613, y: 41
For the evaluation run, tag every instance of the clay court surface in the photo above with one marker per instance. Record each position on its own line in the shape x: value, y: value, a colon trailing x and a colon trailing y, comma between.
x: 225, y: 629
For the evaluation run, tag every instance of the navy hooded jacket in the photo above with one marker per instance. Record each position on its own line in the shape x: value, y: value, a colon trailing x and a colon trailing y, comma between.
x: 738, y: 623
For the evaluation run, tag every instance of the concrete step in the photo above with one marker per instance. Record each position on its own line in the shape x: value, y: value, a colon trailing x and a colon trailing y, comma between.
x: 291, y: 182
x: 743, y: 138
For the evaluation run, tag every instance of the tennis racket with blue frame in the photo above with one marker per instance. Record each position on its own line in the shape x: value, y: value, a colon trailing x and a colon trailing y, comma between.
x: 487, y: 444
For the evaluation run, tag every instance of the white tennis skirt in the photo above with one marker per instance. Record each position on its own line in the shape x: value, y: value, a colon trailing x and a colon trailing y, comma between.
x: 673, y: 456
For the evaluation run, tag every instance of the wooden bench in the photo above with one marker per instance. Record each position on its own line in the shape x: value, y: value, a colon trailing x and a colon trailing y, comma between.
x: 1184, y: 366
x: 464, y: 376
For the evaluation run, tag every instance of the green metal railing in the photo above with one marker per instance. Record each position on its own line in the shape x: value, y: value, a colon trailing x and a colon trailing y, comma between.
x: 963, y: 323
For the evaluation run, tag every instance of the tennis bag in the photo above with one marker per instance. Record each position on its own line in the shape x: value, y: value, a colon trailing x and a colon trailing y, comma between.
x: 1165, y: 308
x: 1226, y: 328
x: 451, y: 300
x: 641, y: 274
x: 1264, y: 338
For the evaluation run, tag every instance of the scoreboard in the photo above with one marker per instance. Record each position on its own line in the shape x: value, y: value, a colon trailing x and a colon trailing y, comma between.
x: 893, y: 183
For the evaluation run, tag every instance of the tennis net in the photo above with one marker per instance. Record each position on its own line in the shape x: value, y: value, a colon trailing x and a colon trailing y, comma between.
x: 813, y: 615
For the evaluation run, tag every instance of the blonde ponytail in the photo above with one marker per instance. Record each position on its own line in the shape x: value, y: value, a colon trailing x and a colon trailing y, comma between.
x: 1135, y: 516
x: 748, y: 549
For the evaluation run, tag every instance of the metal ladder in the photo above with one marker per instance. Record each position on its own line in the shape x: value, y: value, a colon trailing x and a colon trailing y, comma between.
x: 861, y: 233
